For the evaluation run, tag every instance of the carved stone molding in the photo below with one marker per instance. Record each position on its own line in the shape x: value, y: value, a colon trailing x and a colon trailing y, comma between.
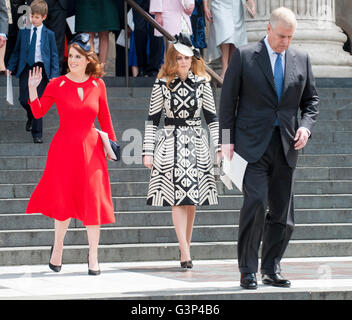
x: 316, y: 33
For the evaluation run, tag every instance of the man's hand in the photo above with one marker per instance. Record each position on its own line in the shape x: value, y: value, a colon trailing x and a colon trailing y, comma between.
x: 227, y: 151
x: 301, y: 138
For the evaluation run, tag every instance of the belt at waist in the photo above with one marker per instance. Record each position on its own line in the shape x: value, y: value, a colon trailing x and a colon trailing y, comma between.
x: 179, y: 122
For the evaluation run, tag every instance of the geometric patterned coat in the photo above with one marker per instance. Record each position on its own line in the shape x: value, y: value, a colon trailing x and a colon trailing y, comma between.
x: 182, y: 172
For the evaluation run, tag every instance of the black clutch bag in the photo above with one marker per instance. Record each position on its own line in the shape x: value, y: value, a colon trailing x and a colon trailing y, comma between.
x: 111, y: 148
x: 116, y: 149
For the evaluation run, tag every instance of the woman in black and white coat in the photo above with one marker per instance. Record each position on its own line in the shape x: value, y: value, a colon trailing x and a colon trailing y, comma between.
x: 182, y: 173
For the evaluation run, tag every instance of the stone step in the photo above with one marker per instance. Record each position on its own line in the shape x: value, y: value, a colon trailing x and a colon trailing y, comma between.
x: 144, y: 235
x: 143, y: 174
x: 22, y: 221
x: 38, y: 162
x: 304, y: 160
x: 127, y: 130
x: 329, y: 108
x: 136, y: 203
x: 327, y: 148
x: 322, y: 160
x: 22, y: 143
x: 167, y: 251
x: 12, y: 191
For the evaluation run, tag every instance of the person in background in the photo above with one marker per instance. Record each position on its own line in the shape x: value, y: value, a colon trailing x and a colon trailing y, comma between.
x: 56, y: 21
x: 148, y: 57
x: 199, y: 39
x: 172, y: 16
x: 34, y: 47
x: 4, y: 22
x: 227, y: 29
x: 13, y: 28
x: 97, y: 16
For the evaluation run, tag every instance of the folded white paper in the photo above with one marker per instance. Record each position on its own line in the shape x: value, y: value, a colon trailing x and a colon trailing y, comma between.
x: 9, y: 90
x: 106, y: 143
x: 233, y: 170
x: 71, y: 23
x: 121, y: 39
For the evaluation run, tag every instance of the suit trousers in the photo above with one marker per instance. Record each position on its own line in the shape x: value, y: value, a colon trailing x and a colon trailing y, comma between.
x: 56, y: 22
x: 142, y: 33
x: 37, y: 124
x: 268, y: 184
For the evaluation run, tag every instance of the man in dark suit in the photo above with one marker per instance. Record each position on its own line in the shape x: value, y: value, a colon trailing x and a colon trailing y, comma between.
x: 147, y: 65
x: 265, y: 86
x: 34, y: 47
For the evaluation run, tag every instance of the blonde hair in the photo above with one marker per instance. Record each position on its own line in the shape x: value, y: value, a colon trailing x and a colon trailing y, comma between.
x: 39, y: 7
x: 284, y: 15
x: 94, y: 67
x: 170, y: 67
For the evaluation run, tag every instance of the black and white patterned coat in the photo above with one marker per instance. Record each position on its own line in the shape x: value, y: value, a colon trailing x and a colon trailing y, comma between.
x: 182, y: 172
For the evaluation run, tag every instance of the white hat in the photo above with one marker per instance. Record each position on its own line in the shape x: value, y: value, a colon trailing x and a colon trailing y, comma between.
x: 183, y: 49
x: 183, y: 44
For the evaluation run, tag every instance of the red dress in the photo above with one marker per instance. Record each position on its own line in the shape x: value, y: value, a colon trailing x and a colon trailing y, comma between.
x: 75, y: 182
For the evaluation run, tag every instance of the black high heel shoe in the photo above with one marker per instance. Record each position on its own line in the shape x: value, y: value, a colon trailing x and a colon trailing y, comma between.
x: 185, y: 264
x: 51, y: 266
x: 92, y: 272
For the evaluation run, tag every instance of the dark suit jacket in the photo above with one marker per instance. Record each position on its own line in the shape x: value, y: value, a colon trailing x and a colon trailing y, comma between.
x: 48, y: 49
x: 249, y: 104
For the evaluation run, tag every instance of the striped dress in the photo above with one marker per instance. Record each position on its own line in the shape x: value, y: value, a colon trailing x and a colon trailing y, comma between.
x: 182, y: 172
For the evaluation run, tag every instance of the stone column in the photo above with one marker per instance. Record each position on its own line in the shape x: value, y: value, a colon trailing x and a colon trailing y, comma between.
x: 316, y: 33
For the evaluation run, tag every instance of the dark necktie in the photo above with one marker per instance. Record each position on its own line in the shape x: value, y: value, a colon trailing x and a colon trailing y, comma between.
x: 32, y: 45
x: 279, y: 78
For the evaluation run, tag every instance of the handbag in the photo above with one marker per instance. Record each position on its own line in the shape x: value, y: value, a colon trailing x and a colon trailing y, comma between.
x: 249, y: 11
x: 116, y: 149
x: 111, y: 148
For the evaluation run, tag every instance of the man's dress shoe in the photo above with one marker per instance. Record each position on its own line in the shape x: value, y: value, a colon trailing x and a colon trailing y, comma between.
x: 29, y: 125
x: 37, y: 140
x: 276, y: 280
x: 248, y: 281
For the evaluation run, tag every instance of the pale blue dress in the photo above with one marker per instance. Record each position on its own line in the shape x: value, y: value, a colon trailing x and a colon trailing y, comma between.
x: 228, y: 26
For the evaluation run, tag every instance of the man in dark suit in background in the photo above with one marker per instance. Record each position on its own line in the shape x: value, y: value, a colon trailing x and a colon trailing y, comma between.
x: 265, y: 86
x: 147, y: 65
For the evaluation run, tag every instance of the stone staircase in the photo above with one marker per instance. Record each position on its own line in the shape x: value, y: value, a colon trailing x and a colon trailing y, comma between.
x: 323, y: 198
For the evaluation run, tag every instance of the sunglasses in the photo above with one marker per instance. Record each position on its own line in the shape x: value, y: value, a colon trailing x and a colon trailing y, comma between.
x: 82, y: 40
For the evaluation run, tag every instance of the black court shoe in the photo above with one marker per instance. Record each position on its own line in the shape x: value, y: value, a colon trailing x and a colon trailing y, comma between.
x: 92, y: 272
x: 51, y: 266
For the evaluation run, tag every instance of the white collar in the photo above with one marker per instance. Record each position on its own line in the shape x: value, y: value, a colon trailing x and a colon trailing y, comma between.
x: 38, y: 28
x: 270, y: 50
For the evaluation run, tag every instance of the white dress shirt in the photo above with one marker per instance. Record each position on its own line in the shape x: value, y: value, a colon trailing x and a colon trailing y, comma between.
x: 38, y: 53
x: 273, y: 56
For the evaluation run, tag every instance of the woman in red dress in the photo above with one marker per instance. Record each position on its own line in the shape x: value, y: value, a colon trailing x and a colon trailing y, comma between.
x: 75, y: 182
